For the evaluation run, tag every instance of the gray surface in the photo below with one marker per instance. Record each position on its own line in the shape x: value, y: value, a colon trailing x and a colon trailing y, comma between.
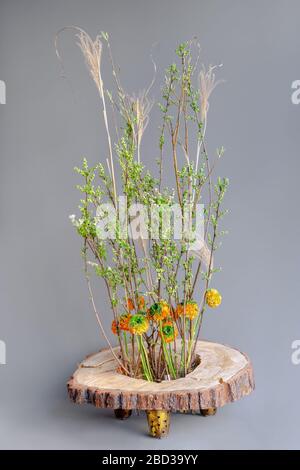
x: 45, y: 129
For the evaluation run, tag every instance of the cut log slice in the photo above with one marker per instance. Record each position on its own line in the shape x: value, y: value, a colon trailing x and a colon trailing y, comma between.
x: 223, y: 376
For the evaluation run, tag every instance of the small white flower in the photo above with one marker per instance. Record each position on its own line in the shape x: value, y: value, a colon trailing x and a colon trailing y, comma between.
x: 91, y: 263
x: 73, y: 220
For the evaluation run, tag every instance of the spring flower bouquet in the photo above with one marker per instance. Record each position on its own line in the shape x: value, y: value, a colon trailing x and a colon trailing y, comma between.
x: 151, y: 244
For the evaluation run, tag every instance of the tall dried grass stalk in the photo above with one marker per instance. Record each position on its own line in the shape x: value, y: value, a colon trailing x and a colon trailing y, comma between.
x: 207, y: 83
x: 92, y: 52
x: 203, y: 253
x: 141, y: 107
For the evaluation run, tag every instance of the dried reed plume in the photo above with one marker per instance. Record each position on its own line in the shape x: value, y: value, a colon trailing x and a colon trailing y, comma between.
x: 207, y: 83
x: 202, y: 252
x: 92, y: 52
x: 141, y: 107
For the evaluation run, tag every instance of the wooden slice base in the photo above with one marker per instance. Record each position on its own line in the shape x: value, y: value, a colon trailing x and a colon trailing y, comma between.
x: 223, y: 376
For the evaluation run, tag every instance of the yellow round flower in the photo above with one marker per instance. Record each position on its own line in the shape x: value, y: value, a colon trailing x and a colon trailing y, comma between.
x: 138, y: 324
x: 213, y: 298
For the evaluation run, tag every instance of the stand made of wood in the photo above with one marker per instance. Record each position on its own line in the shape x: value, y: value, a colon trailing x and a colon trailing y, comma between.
x: 223, y: 376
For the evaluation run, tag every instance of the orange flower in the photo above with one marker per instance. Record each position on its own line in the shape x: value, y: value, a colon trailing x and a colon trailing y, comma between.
x: 191, y: 310
x: 124, y: 321
x: 169, y: 331
x: 114, y: 327
x: 179, y: 310
x: 165, y: 309
x: 158, y: 311
x: 141, y: 303
x: 130, y: 304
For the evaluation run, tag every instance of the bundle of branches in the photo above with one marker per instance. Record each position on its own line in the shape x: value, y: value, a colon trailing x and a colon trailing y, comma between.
x: 158, y: 284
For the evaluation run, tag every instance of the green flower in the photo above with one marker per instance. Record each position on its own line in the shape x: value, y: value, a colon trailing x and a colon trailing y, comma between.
x: 138, y: 324
x: 169, y: 331
x: 156, y: 312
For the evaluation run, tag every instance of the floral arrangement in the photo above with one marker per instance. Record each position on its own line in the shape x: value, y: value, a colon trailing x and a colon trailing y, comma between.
x: 158, y: 286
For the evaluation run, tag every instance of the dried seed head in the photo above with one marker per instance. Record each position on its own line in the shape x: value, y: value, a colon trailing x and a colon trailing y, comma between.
x: 92, y: 51
x: 207, y: 83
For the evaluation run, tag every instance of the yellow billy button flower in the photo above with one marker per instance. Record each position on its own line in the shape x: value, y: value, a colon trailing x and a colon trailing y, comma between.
x: 213, y: 298
x: 169, y: 331
x: 138, y: 324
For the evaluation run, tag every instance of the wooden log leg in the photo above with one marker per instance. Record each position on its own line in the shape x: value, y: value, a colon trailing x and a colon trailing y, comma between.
x: 159, y: 423
x: 208, y: 411
x: 122, y: 414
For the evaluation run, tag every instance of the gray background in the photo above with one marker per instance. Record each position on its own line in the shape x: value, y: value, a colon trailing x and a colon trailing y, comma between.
x: 46, y: 127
